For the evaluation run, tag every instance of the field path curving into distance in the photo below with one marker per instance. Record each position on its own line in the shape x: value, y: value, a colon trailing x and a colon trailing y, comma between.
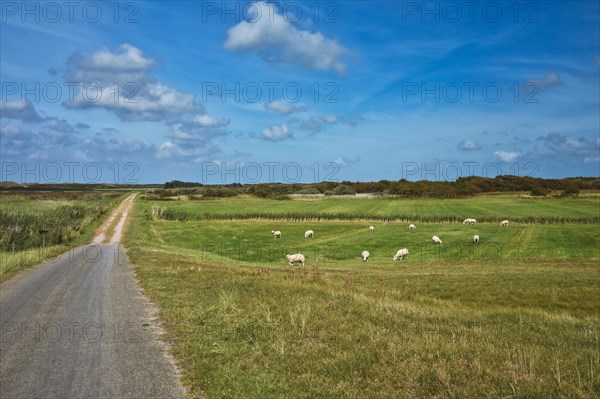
x: 78, y: 326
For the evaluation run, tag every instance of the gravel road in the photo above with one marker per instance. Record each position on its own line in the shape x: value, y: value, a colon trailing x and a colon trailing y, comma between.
x: 77, y: 326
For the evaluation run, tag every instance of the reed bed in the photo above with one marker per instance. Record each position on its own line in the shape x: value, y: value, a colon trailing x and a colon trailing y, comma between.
x: 166, y: 213
x: 24, y: 227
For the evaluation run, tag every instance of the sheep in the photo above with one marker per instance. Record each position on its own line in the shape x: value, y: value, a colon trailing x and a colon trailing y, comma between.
x: 276, y: 233
x: 436, y: 240
x: 365, y: 255
x: 371, y: 229
x: 469, y: 221
x: 504, y: 223
x: 296, y: 258
x: 309, y: 234
x: 476, y: 239
x: 412, y: 227
x: 401, y: 254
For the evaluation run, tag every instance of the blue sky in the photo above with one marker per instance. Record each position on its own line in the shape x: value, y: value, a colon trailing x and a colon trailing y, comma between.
x: 298, y: 91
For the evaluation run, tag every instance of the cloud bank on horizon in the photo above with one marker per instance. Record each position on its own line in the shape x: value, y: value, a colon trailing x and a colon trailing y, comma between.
x: 299, y: 91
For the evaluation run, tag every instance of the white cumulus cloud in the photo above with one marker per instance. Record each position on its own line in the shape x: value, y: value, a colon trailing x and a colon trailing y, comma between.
x: 343, y: 161
x: 276, y: 133
x: 469, y: 145
x: 284, y: 108
x: 121, y: 82
x: 209, y: 121
x: 275, y: 40
x: 507, y: 156
x: 329, y: 119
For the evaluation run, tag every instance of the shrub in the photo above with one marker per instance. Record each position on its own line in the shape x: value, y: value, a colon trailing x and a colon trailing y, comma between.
x: 219, y: 192
x: 309, y: 190
x: 539, y: 192
x: 343, y: 189
x: 571, y: 192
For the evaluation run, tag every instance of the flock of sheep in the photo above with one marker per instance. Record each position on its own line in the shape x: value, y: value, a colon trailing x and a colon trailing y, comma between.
x: 400, y: 254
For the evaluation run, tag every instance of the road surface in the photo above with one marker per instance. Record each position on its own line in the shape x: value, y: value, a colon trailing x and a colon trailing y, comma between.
x: 77, y: 326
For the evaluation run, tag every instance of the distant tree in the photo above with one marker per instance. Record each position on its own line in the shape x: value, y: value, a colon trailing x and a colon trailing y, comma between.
x: 181, y: 184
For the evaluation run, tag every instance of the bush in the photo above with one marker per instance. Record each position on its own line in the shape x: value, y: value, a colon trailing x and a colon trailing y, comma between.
x: 571, y: 192
x: 309, y: 190
x: 259, y: 191
x: 343, y: 189
x: 539, y: 192
x: 219, y: 192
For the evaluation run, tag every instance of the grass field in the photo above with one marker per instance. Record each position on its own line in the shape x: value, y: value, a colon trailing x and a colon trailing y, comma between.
x: 514, y: 316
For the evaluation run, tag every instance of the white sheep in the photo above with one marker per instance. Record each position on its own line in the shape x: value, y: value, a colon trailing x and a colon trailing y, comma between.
x: 276, y: 233
x: 296, y: 258
x: 401, y: 254
x: 436, y: 240
x: 309, y: 234
x: 371, y: 229
x: 504, y: 223
x: 476, y: 239
x: 365, y: 255
x: 469, y: 221
x: 412, y: 227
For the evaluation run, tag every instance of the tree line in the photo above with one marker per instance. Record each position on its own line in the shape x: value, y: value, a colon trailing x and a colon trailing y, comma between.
x: 461, y: 187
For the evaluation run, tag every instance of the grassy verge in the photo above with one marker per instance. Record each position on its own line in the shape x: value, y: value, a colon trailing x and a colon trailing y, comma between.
x: 339, y: 328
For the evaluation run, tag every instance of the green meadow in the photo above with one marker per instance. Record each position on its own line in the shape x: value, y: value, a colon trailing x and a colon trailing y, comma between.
x: 517, y: 315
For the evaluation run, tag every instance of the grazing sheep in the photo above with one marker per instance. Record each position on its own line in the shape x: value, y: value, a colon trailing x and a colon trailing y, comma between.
x: 365, y: 255
x: 476, y: 239
x: 469, y: 221
x: 436, y: 240
x: 412, y: 227
x: 276, y: 233
x: 401, y: 254
x: 309, y: 234
x: 504, y: 223
x: 296, y: 258
x: 371, y: 229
